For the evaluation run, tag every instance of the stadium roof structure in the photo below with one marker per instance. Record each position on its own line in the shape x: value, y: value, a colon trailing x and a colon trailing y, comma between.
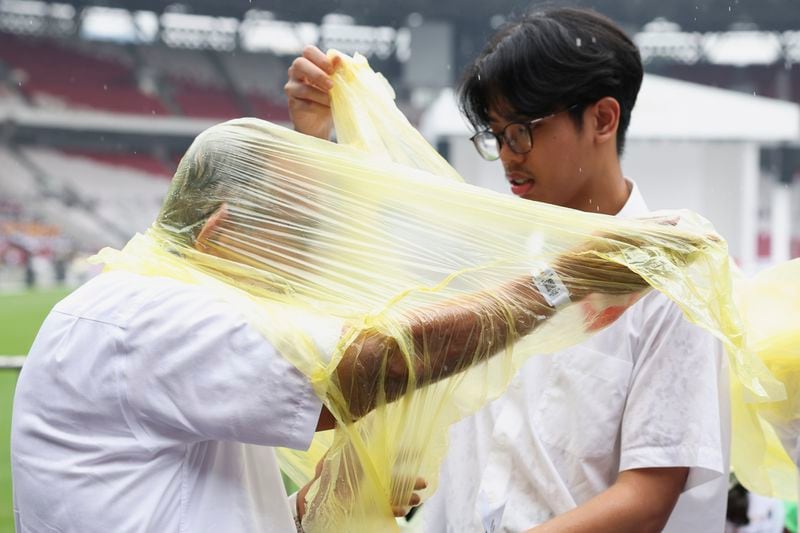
x: 691, y: 15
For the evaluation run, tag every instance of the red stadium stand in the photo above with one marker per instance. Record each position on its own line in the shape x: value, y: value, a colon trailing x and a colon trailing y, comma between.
x: 268, y: 109
x: 145, y: 163
x: 66, y: 74
x: 55, y: 73
x: 204, y: 101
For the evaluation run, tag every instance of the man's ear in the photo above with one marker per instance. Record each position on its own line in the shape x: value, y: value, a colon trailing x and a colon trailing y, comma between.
x: 211, y: 225
x: 605, y: 117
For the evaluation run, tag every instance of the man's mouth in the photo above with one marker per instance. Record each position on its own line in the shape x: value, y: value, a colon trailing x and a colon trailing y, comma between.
x: 520, y: 184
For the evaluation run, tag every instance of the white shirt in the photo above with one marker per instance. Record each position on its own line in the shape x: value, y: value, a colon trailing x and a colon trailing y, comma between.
x: 648, y: 391
x: 148, y: 405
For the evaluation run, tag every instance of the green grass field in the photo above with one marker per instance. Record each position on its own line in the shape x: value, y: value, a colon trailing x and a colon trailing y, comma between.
x: 21, y: 314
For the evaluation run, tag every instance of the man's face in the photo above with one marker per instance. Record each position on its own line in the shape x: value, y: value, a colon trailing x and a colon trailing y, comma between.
x: 558, y: 167
x: 268, y: 220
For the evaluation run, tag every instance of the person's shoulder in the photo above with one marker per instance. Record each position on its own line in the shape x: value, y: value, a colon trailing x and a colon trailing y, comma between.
x: 117, y: 297
x: 655, y: 307
x: 102, y: 298
x: 660, y: 318
x: 171, y: 300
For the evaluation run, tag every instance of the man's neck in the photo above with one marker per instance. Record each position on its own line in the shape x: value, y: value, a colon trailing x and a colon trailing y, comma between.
x: 606, y: 192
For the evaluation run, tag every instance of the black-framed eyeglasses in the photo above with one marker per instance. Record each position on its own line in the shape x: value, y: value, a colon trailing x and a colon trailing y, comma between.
x: 517, y: 135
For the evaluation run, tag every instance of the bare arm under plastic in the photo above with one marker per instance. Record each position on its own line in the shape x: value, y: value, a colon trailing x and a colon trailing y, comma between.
x: 453, y: 336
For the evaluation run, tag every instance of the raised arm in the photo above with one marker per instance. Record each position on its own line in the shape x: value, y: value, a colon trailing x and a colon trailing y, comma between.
x: 454, y: 335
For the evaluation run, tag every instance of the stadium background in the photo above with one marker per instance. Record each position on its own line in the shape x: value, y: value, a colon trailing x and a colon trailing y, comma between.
x: 99, y: 99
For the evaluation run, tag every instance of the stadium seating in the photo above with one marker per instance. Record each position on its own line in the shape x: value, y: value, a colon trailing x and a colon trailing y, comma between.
x: 83, y: 227
x: 59, y: 75
x: 268, y: 109
x: 205, y: 101
x: 197, y: 86
x: 20, y: 186
x: 143, y: 162
x: 103, y: 76
x: 257, y: 73
x: 16, y: 181
x: 123, y: 198
x: 6, y: 94
x: 181, y: 64
x: 260, y: 77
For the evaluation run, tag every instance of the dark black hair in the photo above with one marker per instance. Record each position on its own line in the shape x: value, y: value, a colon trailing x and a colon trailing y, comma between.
x: 551, y: 59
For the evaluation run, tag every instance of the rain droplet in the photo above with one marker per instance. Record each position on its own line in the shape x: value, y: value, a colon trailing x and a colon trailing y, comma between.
x: 578, y: 42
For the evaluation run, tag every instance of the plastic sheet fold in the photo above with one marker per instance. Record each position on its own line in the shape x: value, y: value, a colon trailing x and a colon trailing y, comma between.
x: 409, y: 298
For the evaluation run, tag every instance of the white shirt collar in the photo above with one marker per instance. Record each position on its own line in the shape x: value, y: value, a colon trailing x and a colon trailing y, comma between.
x: 635, y: 206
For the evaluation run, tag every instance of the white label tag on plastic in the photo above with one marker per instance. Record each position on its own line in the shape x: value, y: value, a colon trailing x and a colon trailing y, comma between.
x: 551, y: 287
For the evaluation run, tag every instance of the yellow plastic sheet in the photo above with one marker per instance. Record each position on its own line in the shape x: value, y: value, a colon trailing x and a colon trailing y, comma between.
x: 766, y: 435
x: 431, y: 292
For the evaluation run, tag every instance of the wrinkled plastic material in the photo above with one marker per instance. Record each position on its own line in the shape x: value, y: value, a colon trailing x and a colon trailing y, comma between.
x: 766, y: 445
x: 422, y: 285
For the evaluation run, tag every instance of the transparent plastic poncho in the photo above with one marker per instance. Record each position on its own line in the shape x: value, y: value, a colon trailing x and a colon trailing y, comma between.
x: 430, y: 289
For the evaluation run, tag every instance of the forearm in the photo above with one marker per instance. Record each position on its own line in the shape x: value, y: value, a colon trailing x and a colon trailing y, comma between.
x: 614, y: 511
x: 446, y: 339
x: 641, y: 501
x: 455, y: 336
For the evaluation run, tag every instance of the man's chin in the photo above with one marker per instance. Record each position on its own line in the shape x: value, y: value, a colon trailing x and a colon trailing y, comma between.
x: 533, y: 196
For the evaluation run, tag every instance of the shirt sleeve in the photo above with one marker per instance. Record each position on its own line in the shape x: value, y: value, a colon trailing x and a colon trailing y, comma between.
x: 674, y: 413
x: 196, y: 370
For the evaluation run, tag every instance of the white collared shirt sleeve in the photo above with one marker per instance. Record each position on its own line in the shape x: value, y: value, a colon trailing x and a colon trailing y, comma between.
x: 206, y: 374
x: 673, y: 412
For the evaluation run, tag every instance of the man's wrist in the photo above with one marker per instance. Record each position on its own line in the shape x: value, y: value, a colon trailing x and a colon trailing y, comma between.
x: 549, y: 284
x: 297, y: 510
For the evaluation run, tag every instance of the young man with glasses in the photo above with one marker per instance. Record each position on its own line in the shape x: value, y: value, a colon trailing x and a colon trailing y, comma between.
x: 628, y: 431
